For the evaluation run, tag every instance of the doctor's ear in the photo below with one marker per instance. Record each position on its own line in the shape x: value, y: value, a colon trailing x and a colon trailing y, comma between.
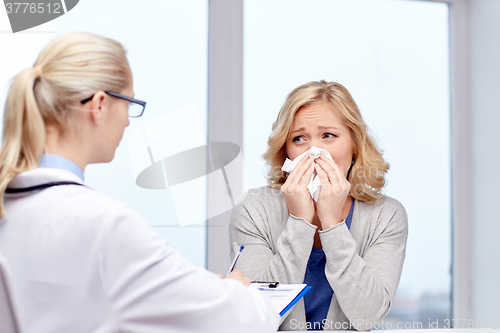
x: 97, y: 106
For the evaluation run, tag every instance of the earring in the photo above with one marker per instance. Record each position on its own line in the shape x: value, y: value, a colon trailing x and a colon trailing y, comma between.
x: 350, y: 168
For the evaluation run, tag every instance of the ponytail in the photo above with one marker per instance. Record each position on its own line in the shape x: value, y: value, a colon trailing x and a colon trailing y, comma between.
x: 23, y: 131
x: 70, y: 68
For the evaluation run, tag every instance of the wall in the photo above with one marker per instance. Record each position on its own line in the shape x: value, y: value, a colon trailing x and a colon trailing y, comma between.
x: 485, y: 101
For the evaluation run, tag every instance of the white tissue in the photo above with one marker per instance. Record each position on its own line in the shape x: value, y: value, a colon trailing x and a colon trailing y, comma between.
x: 314, y: 185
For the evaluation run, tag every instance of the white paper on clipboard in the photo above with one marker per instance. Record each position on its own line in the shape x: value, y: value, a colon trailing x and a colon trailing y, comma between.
x: 284, y: 296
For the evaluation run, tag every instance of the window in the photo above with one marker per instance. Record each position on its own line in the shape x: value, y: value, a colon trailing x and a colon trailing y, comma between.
x: 393, y: 57
x: 169, y: 73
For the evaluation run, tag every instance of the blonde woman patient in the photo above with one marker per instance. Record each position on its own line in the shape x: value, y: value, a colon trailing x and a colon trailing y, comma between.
x: 82, y: 261
x: 348, y: 241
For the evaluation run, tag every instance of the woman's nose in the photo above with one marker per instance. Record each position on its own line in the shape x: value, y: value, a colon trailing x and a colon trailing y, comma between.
x: 316, y: 143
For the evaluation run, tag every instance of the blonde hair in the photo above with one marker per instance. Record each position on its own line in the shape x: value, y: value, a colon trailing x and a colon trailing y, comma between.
x: 69, y: 69
x: 367, y: 173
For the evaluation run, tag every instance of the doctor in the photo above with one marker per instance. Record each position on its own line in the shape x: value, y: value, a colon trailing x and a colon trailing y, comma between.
x: 82, y: 261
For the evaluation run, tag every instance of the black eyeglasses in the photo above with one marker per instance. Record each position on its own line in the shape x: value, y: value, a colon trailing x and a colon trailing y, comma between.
x: 135, y: 108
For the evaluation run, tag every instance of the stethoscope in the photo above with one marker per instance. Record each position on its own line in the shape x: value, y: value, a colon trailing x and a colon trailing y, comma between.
x: 40, y: 187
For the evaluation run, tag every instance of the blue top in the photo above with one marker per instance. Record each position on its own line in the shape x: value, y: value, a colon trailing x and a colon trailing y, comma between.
x: 317, y: 300
x: 58, y: 162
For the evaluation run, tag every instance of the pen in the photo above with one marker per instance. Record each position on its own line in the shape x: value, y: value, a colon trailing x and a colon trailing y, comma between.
x: 235, y: 260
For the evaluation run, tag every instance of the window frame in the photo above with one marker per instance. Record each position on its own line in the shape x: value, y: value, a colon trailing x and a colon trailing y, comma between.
x: 225, y: 123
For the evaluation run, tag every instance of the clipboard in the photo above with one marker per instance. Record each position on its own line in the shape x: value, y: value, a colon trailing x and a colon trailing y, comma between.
x: 282, y: 296
x: 296, y: 299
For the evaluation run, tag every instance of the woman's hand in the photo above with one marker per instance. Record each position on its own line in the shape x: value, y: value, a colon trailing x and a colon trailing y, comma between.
x: 298, y: 199
x: 333, y: 194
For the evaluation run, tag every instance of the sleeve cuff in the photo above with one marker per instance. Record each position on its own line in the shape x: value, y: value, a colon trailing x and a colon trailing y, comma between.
x: 321, y: 231
x: 310, y: 225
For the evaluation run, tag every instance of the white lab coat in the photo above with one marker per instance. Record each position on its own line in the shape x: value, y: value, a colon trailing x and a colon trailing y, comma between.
x: 84, y: 262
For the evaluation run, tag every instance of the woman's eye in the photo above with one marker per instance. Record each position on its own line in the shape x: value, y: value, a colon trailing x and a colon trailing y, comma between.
x: 297, y: 139
x: 330, y: 135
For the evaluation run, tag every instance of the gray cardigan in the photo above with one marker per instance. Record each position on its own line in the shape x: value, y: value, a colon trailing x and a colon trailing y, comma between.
x: 363, y: 264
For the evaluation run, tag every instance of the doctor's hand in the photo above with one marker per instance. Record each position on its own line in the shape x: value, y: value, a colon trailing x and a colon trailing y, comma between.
x: 333, y: 194
x: 237, y: 275
x: 298, y: 199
